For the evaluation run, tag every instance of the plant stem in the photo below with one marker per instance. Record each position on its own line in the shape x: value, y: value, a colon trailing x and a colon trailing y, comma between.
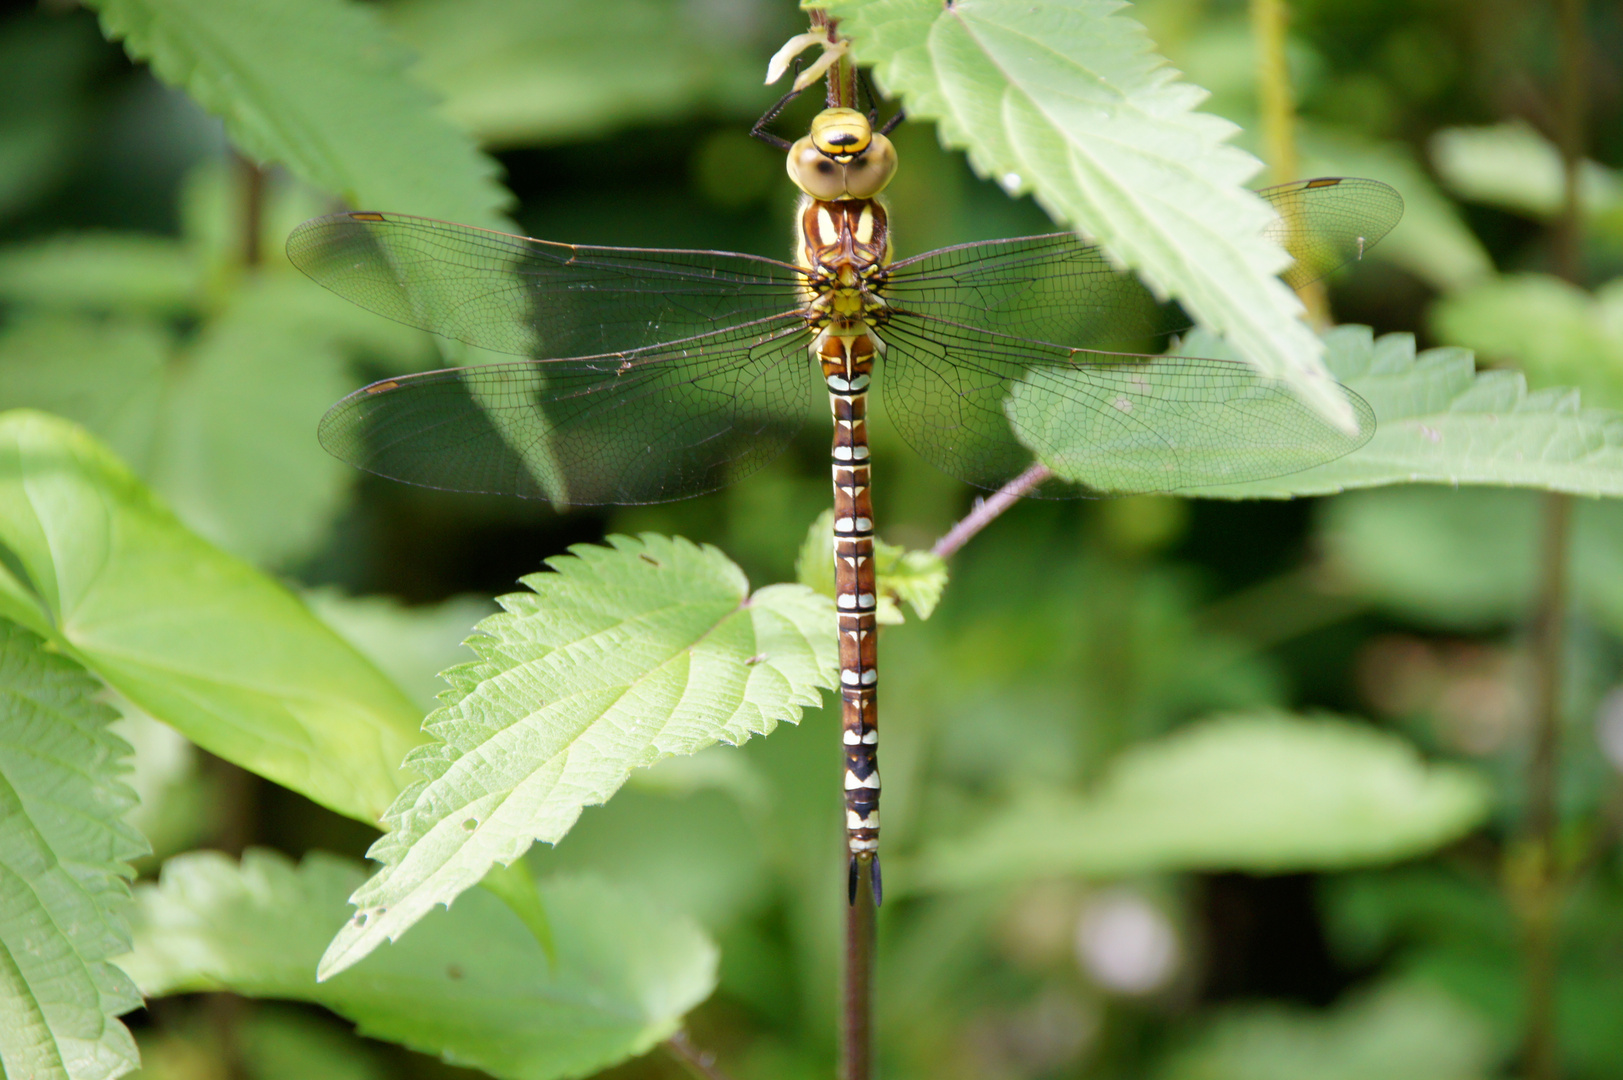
x: 856, y: 1012
x: 701, y: 1063
x: 1572, y: 115
x: 253, y: 210
x: 1277, y: 102
x: 1541, y: 901
x: 988, y: 509
x: 1541, y: 893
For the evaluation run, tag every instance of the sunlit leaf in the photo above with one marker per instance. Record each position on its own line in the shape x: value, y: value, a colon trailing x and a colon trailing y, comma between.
x: 315, y: 85
x: 1263, y: 792
x: 619, y: 657
x: 195, y: 637
x: 1440, y: 421
x: 474, y: 988
x: 64, y: 860
x: 1067, y: 101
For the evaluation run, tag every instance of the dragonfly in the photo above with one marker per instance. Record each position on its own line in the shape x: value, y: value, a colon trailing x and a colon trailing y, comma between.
x: 655, y: 374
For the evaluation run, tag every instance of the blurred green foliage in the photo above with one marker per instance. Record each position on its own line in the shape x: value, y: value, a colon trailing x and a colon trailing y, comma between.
x: 143, y: 295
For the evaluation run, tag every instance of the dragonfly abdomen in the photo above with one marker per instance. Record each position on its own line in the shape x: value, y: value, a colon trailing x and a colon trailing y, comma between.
x: 848, y: 370
x: 846, y: 243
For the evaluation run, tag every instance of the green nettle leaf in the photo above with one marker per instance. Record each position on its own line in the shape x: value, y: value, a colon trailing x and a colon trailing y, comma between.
x: 1068, y: 101
x: 1398, y: 1032
x: 521, y: 72
x: 1263, y: 792
x: 917, y: 578
x: 195, y: 637
x: 621, y: 656
x: 315, y: 85
x: 475, y: 989
x: 1440, y: 421
x: 1552, y: 330
x: 1513, y: 166
x: 64, y: 861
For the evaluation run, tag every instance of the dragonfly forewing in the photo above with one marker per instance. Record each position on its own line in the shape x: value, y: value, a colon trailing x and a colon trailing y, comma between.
x: 512, y: 294
x: 1060, y: 289
x: 645, y: 426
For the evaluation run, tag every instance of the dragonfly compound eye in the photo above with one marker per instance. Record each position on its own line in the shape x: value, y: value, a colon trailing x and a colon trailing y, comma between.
x: 814, y: 173
x: 868, y: 173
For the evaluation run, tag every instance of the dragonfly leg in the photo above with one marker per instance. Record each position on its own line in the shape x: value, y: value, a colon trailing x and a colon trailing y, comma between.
x: 873, y: 106
x: 759, y: 130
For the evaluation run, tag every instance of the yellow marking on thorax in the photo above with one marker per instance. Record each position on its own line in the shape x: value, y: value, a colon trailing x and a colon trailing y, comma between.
x: 864, y: 231
x: 827, y: 233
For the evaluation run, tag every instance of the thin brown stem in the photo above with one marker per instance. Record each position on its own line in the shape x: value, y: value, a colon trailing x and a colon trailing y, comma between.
x: 987, y: 510
x: 856, y: 1012
x: 253, y: 210
x: 1543, y: 887
x: 701, y: 1063
x: 1572, y: 116
x: 1541, y: 890
x: 1276, y: 102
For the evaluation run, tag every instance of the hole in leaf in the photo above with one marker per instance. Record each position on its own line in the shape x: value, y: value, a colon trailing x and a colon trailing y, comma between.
x: 471, y: 824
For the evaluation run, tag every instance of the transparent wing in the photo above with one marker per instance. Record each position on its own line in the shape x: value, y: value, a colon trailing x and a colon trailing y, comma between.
x: 533, y: 297
x: 1059, y: 289
x: 983, y: 407
x: 643, y: 426
x: 1327, y: 223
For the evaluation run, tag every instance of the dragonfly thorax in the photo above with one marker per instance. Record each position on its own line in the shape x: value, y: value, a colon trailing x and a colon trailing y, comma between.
x: 845, y: 248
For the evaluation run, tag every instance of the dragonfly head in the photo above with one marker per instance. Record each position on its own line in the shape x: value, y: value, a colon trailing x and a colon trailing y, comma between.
x: 842, y: 158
